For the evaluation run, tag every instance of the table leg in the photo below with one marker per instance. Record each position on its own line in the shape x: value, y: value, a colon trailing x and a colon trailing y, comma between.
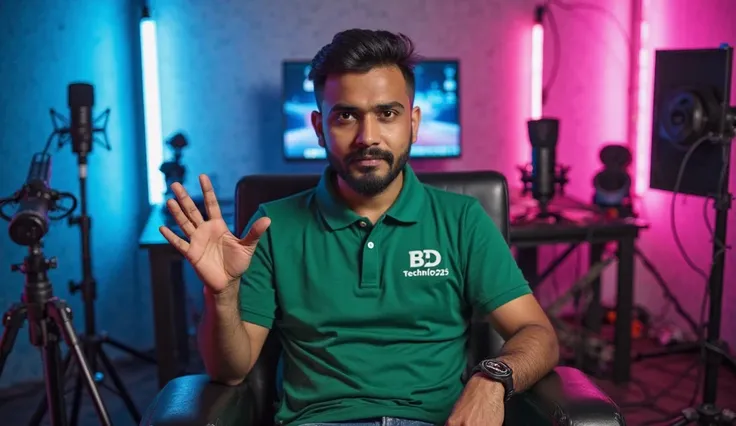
x: 593, y: 319
x: 168, y: 308
x: 624, y: 308
x: 528, y: 260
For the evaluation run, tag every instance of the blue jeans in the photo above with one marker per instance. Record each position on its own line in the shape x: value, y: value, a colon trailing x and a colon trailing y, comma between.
x: 383, y: 421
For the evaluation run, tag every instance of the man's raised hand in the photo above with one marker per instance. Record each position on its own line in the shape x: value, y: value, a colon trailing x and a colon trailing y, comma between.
x: 218, y: 256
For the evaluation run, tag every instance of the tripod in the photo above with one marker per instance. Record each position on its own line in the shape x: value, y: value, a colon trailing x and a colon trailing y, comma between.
x: 707, y: 414
x: 50, y: 320
x: 92, y: 342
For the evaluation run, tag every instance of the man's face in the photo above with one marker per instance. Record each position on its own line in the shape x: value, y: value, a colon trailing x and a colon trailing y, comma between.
x: 367, y: 126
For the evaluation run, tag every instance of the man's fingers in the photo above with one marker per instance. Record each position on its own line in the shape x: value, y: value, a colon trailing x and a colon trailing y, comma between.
x: 187, y: 204
x: 255, y: 232
x: 210, y: 200
x: 174, y: 240
x: 181, y: 219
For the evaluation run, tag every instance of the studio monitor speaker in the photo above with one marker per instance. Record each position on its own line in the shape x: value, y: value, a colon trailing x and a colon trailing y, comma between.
x: 691, y: 105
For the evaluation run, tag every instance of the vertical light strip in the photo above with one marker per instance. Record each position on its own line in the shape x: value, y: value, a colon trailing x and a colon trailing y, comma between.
x: 152, y: 110
x: 537, y: 65
x: 644, y: 102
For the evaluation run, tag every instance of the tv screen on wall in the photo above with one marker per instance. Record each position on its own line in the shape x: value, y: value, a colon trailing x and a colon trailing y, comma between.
x: 437, y: 94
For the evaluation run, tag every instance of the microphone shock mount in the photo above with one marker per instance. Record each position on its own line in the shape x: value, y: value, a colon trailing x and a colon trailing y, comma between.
x: 529, y: 185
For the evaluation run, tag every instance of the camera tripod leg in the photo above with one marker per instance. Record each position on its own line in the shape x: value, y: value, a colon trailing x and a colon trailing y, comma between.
x: 42, y: 405
x: 12, y: 321
x: 120, y: 386
x: 54, y: 373
x: 61, y: 314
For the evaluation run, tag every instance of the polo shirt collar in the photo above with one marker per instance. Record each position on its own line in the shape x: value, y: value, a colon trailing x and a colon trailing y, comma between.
x: 338, y: 215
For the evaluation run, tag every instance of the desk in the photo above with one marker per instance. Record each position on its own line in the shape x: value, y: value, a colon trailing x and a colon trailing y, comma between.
x: 589, y: 229
x: 169, y: 298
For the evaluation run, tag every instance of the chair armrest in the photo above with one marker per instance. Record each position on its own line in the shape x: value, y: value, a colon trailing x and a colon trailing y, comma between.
x: 567, y: 396
x: 197, y: 401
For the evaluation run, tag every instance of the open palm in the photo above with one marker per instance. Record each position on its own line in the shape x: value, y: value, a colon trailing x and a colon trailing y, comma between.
x: 218, y: 256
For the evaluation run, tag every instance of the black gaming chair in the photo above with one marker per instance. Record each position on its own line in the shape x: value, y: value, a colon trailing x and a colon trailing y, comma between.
x: 565, y: 397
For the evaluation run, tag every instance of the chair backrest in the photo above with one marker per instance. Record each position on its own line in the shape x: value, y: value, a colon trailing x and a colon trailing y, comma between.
x: 488, y: 187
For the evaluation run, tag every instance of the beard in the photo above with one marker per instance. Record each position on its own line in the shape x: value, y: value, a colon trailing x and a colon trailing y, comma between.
x: 369, y: 182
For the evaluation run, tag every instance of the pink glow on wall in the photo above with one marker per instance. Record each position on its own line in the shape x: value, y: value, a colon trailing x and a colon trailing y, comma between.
x: 587, y: 71
x: 642, y: 147
x: 671, y: 26
x: 537, y: 61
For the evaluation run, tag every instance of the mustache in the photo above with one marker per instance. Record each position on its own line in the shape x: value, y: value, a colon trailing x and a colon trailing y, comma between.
x: 371, y: 153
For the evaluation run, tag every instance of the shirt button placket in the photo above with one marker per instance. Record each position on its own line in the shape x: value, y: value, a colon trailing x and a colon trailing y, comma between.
x: 369, y: 273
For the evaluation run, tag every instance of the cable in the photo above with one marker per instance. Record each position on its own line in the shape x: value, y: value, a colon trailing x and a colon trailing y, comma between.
x: 673, y: 205
x: 571, y: 6
x: 720, y: 247
x: 556, y: 59
x: 683, y: 252
x: 556, y: 39
x: 673, y: 224
x: 700, y: 326
x: 651, y: 400
x: 668, y: 294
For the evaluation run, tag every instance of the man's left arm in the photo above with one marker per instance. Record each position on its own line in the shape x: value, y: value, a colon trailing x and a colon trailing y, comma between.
x: 496, y: 287
x: 531, y: 348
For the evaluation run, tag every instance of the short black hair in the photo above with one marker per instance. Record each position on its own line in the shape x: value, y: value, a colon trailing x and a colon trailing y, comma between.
x: 359, y: 51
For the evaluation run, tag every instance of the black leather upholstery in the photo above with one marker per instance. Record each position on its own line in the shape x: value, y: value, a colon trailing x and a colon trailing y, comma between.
x: 565, y: 397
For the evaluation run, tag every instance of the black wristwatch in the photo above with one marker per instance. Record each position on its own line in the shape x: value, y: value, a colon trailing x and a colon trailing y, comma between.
x: 497, y: 371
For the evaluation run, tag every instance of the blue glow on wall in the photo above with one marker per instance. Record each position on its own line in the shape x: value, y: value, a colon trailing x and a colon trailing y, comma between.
x: 44, y: 49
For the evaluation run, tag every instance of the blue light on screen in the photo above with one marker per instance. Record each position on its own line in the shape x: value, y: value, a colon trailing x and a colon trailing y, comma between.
x: 437, y: 94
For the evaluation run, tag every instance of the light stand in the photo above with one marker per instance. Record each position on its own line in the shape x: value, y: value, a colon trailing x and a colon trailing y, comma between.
x: 693, y: 120
x: 707, y: 414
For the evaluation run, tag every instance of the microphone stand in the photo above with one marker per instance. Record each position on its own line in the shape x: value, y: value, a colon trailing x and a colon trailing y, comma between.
x: 91, y: 341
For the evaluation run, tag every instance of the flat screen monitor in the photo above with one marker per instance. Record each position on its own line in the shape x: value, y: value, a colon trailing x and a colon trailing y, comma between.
x: 437, y: 94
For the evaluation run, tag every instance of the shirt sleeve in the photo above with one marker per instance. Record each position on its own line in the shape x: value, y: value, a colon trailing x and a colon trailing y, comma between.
x: 257, y: 292
x: 492, y: 276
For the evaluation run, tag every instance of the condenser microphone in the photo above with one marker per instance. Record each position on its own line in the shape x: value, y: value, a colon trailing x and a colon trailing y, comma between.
x: 81, y: 98
x: 543, y: 134
x: 31, y: 221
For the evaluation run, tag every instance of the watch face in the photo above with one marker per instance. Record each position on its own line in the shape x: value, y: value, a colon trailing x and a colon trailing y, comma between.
x: 496, y: 368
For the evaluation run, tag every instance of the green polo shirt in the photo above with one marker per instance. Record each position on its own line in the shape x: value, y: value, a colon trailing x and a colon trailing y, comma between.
x: 374, y: 317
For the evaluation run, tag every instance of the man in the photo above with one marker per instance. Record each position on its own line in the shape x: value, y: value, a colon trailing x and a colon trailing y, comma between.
x: 371, y: 276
